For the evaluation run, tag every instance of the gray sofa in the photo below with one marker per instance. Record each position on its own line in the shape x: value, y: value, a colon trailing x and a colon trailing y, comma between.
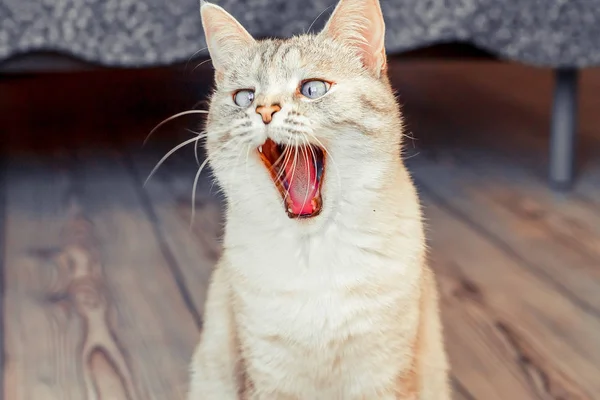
x: 558, y: 34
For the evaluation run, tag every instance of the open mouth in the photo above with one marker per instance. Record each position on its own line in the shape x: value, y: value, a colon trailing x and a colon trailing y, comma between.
x: 298, y: 173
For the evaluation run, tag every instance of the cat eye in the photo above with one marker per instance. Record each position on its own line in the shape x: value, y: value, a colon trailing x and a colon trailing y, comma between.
x: 243, y: 98
x: 314, y: 89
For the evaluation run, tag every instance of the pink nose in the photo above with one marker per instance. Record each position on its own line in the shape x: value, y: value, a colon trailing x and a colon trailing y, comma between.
x: 267, y: 112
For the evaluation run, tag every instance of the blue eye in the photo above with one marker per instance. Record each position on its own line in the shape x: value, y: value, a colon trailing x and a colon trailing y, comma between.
x: 243, y: 98
x: 314, y: 89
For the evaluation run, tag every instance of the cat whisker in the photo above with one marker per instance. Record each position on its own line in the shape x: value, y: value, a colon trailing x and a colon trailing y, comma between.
x: 171, y: 118
x: 412, y: 138
x: 314, y: 155
x: 287, y: 154
x: 194, y: 189
x: 196, y: 104
x: 282, y: 155
x: 169, y: 153
x: 196, y: 153
x: 337, y: 170
x: 196, y: 147
x: 312, y: 150
x: 197, y: 178
x: 290, y: 183
x: 204, y: 133
x: 316, y: 19
x: 411, y: 156
x: 194, y: 55
x: 201, y: 64
x: 308, y: 177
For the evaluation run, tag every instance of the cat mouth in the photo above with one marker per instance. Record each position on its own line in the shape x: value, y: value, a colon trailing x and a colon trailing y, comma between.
x: 298, y: 173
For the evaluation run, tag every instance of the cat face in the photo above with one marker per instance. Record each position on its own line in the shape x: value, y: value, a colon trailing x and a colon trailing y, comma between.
x: 299, y: 128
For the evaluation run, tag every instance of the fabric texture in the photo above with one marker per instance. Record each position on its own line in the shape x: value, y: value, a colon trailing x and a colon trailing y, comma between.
x: 553, y: 33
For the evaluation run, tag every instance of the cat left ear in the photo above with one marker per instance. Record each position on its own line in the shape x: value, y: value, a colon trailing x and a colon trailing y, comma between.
x: 359, y: 24
x: 225, y: 36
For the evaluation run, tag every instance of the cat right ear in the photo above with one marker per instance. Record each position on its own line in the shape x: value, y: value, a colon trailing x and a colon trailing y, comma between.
x: 225, y: 36
x: 359, y: 24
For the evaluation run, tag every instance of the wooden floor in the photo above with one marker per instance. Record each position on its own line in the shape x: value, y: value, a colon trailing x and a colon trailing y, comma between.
x: 104, y: 280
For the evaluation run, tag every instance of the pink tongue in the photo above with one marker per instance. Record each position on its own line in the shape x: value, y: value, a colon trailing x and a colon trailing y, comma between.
x: 302, y: 182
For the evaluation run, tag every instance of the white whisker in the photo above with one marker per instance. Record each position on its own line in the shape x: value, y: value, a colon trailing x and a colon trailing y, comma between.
x: 279, y: 158
x: 197, y: 177
x: 195, y: 132
x: 287, y: 153
x: 315, y: 159
x: 194, y: 55
x: 337, y: 170
x: 308, y: 182
x: 204, y: 135
x: 194, y: 188
x: 181, y: 114
x: 201, y: 64
x: 313, y: 152
x: 411, y: 156
x: 290, y: 183
x: 173, y: 150
x: 316, y: 19
x: 196, y: 152
x: 281, y: 173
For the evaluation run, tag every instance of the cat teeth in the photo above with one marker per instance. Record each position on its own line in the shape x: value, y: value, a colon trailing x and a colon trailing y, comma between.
x: 260, y: 148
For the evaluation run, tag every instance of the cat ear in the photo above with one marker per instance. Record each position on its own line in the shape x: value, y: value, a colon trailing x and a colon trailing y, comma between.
x: 225, y: 36
x: 359, y: 24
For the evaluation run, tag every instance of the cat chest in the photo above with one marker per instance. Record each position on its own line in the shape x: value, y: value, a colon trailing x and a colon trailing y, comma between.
x: 326, y: 342
x: 319, y: 304
x: 307, y: 317
x: 319, y: 317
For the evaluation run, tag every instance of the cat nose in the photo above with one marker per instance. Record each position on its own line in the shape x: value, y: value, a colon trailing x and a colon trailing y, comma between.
x: 266, y: 112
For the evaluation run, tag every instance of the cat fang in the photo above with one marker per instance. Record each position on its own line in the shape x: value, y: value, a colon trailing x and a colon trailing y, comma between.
x: 298, y: 174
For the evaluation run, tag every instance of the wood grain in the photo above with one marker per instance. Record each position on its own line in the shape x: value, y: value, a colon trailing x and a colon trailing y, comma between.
x: 194, y: 243
x: 93, y: 310
x: 504, y: 339
x: 532, y: 228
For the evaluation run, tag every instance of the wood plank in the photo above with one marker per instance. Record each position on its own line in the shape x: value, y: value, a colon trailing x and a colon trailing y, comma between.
x: 195, y: 244
x: 570, y: 217
x: 92, y: 308
x: 459, y: 392
x: 523, y: 219
x: 508, y: 334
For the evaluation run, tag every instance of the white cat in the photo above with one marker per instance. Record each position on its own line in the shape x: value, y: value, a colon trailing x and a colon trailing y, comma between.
x: 323, y: 291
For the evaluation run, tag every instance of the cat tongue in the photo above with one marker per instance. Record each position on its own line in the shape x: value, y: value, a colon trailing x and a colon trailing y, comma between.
x: 302, y: 181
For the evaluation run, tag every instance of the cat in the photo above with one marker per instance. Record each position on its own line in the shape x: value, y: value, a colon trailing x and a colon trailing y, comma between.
x: 322, y: 290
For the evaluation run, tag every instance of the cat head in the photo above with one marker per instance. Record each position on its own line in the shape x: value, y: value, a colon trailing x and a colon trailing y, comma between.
x: 302, y: 129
